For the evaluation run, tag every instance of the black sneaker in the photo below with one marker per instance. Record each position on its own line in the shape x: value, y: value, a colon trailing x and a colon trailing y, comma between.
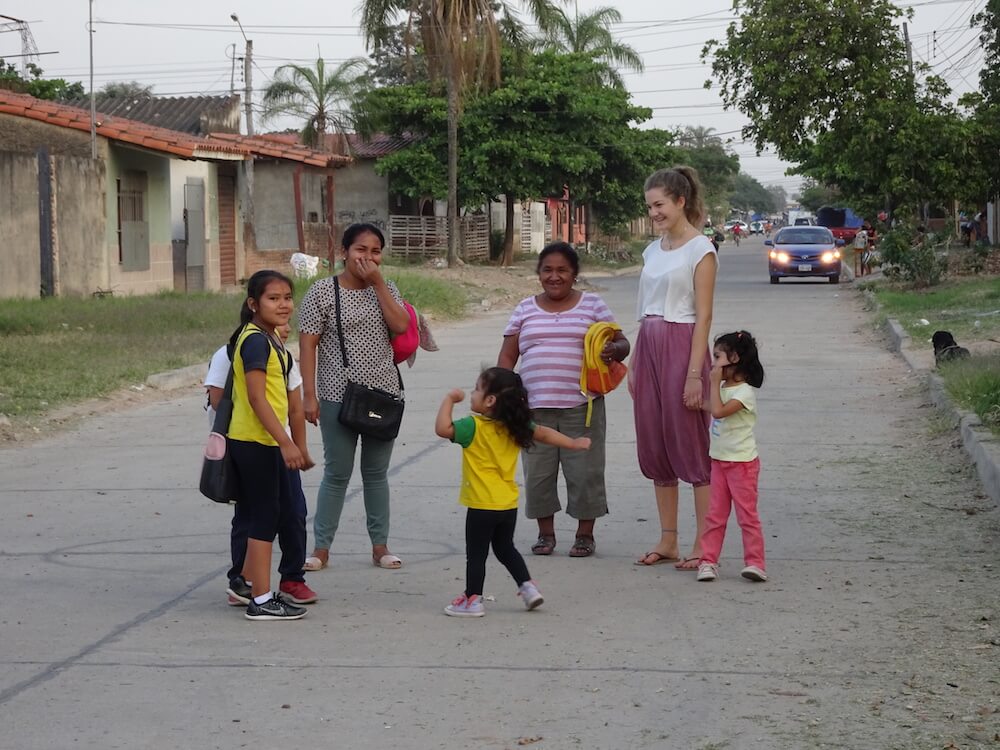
x: 275, y: 609
x: 239, y: 592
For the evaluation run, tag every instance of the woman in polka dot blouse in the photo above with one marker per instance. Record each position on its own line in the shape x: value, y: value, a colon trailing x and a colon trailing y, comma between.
x: 371, y: 310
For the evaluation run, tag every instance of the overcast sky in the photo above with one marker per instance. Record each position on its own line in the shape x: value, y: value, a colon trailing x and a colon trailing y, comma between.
x: 185, y: 47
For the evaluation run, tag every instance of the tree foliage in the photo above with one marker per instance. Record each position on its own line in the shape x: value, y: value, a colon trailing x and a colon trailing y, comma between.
x: 717, y: 168
x: 551, y: 123
x: 591, y: 34
x: 461, y: 44
x: 828, y: 84
x: 55, y: 89
x: 127, y: 90
x: 749, y: 195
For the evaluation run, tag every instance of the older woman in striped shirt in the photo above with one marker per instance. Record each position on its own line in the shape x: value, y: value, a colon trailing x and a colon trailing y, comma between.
x: 546, y: 332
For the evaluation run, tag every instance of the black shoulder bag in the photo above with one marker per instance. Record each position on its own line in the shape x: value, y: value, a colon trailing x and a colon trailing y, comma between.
x: 218, y: 472
x: 369, y: 411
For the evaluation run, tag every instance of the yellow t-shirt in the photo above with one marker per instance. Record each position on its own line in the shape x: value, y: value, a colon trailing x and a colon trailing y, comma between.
x: 732, y: 438
x: 489, y: 460
x: 255, y: 351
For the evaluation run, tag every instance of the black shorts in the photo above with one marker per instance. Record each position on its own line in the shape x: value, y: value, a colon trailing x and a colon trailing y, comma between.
x: 265, y: 486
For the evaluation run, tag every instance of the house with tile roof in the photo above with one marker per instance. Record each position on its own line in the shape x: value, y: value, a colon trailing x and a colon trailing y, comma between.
x: 158, y: 209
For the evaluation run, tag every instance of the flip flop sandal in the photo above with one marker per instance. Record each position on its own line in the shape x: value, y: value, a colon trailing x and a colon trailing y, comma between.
x: 688, y: 563
x: 584, y: 546
x: 313, y: 564
x: 658, y: 559
x: 544, y: 546
x: 388, y: 562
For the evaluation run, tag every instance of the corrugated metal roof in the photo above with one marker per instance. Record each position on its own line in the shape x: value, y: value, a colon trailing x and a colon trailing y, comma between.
x: 195, y: 115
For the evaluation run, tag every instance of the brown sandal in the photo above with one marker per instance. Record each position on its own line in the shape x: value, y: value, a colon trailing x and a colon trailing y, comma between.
x: 544, y: 546
x: 584, y: 546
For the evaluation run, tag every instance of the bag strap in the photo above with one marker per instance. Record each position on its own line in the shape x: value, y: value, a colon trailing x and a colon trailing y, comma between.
x: 340, y: 333
x: 340, y: 328
x: 227, y: 395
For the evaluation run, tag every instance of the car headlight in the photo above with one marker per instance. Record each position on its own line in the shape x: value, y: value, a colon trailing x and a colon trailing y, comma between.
x: 780, y: 257
x: 830, y: 257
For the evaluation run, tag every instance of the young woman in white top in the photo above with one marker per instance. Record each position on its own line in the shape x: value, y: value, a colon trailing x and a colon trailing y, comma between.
x: 669, y: 372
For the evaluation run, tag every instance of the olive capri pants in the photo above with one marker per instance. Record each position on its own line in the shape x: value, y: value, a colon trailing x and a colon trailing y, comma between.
x: 586, y: 495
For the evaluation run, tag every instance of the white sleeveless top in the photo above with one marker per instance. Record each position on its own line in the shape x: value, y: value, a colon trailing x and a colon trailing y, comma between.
x: 666, y: 286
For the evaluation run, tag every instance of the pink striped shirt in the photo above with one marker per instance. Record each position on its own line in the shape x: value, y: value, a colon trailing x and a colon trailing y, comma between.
x: 551, y: 349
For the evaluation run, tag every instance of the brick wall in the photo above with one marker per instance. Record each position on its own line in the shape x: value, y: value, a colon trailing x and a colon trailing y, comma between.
x: 277, y: 260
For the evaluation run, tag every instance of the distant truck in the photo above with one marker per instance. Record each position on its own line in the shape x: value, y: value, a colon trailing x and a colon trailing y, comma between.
x: 799, y: 218
x: 843, y: 223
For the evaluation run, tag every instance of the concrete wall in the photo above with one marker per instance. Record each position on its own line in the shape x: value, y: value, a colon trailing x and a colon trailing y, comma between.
x: 20, y: 274
x: 360, y: 195
x: 78, y: 241
x: 77, y: 207
x: 160, y: 274
x: 24, y: 135
x: 274, y: 207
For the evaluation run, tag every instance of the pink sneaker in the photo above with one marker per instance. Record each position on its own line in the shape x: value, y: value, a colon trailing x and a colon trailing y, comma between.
x: 297, y: 592
x: 466, y: 606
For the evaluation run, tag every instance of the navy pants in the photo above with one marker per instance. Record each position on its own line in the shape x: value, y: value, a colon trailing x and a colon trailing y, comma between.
x: 291, y: 535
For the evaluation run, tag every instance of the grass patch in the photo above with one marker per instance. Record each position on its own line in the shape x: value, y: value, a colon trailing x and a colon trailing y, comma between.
x: 969, y: 308
x: 55, y: 351
x: 58, y: 351
x: 974, y: 383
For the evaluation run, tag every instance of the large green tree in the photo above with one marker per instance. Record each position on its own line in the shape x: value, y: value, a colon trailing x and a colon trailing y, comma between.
x: 717, y: 168
x: 461, y: 42
x: 549, y: 124
x: 982, y: 178
x: 829, y: 85
x: 321, y: 98
x: 749, y: 195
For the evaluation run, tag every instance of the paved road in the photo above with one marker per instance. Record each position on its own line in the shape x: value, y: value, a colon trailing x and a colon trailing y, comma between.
x: 874, y: 631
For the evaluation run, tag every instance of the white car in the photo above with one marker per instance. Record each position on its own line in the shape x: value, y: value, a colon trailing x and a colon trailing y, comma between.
x: 744, y: 227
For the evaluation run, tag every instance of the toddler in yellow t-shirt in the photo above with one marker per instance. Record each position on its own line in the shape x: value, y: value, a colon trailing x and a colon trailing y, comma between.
x: 491, y: 439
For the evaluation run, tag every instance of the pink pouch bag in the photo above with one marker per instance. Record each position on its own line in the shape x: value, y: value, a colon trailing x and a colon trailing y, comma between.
x: 405, y: 344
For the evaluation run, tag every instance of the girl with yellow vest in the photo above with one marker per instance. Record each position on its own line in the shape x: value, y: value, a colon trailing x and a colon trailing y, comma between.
x: 261, y: 449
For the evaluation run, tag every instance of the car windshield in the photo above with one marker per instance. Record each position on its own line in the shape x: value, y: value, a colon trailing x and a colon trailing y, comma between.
x: 804, y: 236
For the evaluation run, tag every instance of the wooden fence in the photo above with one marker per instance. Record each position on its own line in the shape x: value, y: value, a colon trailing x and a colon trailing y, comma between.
x: 422, y: 237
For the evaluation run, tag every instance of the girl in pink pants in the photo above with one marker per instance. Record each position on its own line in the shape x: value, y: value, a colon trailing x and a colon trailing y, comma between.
x: 736, y: 375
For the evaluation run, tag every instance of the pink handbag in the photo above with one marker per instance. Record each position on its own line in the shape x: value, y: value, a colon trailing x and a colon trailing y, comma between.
x: 405, y: 344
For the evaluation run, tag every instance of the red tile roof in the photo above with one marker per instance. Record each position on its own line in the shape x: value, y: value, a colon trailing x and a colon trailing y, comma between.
x: 120, y: 129
x: 164, y: 140
x: 261, y: 145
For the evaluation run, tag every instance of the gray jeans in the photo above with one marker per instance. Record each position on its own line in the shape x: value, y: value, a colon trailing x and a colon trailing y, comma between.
x: 586, y: 496
x: 339, y: 445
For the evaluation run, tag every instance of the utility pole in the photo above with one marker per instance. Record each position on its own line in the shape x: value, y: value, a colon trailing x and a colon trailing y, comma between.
x: 909, y: 49
x: 247, y: 76
x: 93, y: 101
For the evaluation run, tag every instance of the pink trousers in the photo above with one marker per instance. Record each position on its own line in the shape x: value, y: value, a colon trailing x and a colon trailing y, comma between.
x: 734, y: 484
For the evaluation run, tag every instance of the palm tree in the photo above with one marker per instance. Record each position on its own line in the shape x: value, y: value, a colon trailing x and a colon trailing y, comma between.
x: 320, y: 98
x: 591, y: 34
x: 461, y: 42
x: 698, y: 136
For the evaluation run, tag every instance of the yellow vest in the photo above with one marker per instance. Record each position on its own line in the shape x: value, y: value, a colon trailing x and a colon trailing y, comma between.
x: 245, y: 425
